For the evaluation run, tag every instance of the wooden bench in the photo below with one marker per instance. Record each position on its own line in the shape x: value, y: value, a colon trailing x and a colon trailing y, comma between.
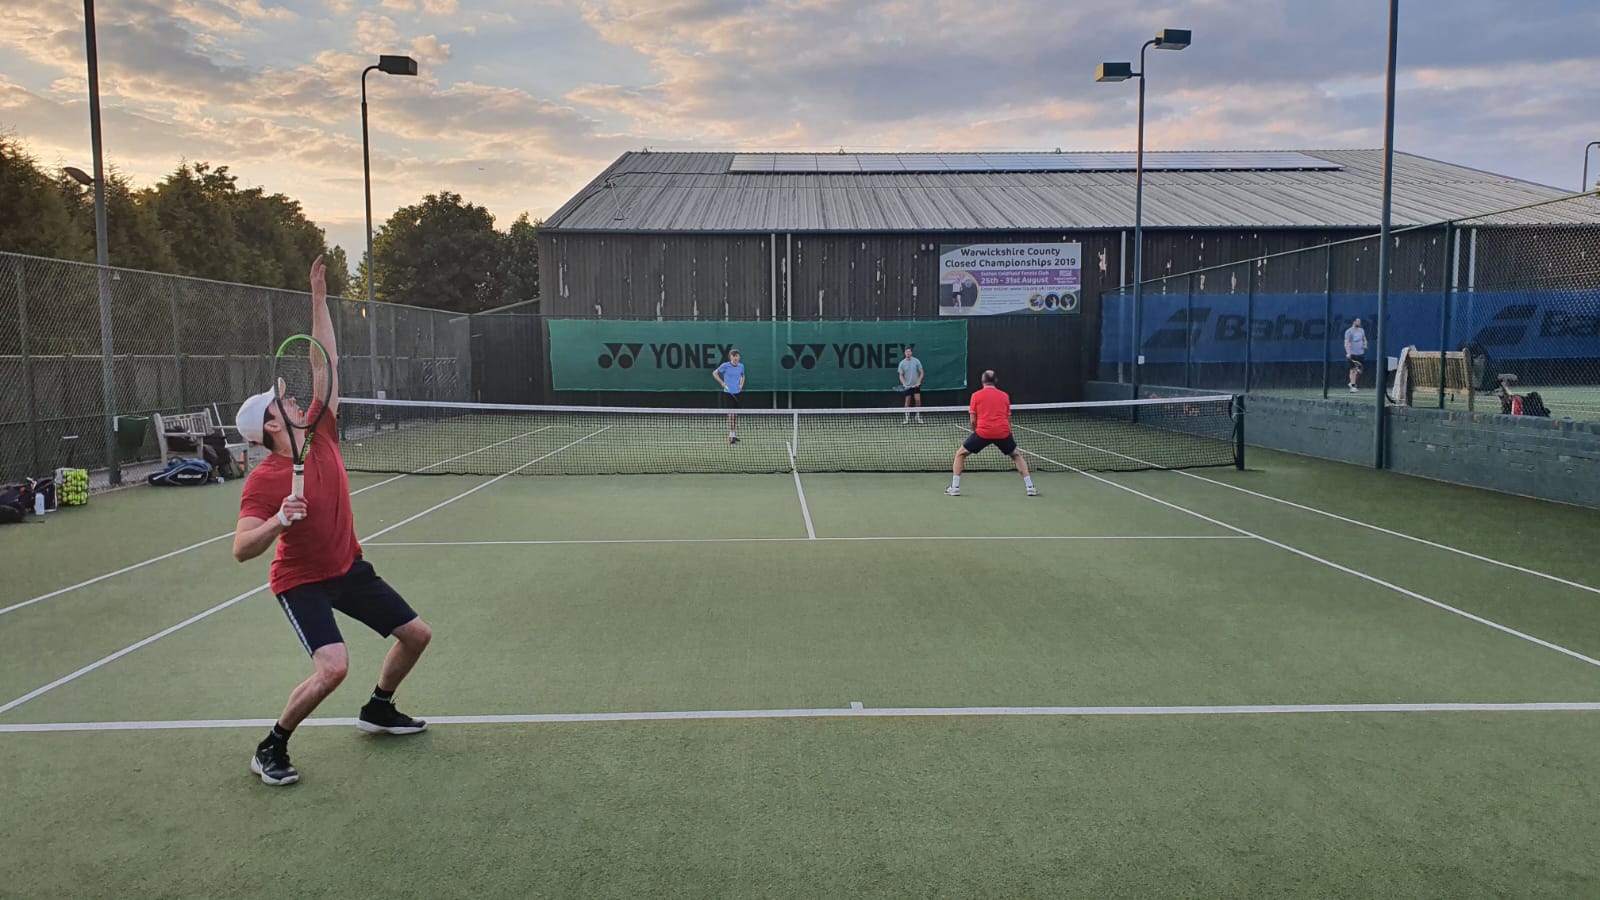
x: 185, y: 434
x: 1421, y: 370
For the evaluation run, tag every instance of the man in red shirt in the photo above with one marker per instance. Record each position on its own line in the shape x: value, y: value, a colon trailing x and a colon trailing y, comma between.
x: 318, y: 566
x: 989, y: 418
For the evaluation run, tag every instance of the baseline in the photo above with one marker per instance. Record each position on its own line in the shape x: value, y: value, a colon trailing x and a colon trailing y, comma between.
x: 854, y: 710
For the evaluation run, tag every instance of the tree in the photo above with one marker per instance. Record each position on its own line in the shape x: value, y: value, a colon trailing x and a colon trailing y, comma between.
x: 518, y: 277
x: 133, y: 235
x: 442, y: 252
x: 339, y: 280
x: 193, y: 209
x: 33, y: 217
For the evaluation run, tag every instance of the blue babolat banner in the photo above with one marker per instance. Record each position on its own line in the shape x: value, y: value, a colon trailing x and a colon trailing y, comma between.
x: 1295, y: 327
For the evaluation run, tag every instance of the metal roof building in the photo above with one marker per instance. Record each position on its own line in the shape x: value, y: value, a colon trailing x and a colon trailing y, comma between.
x: 763, y: 193
x: 840, y: 236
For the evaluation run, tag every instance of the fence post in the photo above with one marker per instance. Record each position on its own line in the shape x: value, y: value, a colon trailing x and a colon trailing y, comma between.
x: 27, y: 373
x: 177, y: 340
x: 1444, y: 319
x: 1249, y: 324
x: 1327, y: 321
x: 1188, y: 332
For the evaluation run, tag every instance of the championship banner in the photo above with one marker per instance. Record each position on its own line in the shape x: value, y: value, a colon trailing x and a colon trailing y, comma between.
x: 602, y: 355
x: 995, y: 279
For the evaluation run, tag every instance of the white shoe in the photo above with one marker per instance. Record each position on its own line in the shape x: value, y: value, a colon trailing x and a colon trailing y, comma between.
x: 919, y: 418
x: 953, y: 491
x: 1033, y: 491
x: 1354, y: 389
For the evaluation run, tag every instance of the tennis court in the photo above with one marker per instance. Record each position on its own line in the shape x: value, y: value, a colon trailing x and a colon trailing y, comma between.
x: 1206, y: 682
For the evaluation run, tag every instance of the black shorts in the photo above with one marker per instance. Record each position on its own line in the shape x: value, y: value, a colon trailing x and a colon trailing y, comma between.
x: 974, y: 444
x: 1358, y: 360
x: 913, y: 391
x: 729, y: 401
x: 358, y: 593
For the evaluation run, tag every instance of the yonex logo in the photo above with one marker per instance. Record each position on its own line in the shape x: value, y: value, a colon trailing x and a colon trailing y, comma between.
x: 1515, y: 320
x: 622, y: 355
x: 803, y: 355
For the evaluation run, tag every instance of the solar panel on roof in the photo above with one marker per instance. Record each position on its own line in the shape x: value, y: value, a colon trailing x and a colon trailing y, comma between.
x: 1172, y: 161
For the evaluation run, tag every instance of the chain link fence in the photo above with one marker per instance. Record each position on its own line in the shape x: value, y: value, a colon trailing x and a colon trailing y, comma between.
x: 180, y: 345
x: 1484, y: 310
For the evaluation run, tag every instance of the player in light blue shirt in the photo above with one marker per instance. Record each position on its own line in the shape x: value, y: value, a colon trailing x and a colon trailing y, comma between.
x: 731, y: 376
x: 911, y: 382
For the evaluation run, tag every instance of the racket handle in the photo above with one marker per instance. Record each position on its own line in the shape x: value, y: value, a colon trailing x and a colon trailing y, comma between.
x: 299, y: 488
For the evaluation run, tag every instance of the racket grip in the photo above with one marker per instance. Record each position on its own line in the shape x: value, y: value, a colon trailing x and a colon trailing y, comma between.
x: 299, y: 489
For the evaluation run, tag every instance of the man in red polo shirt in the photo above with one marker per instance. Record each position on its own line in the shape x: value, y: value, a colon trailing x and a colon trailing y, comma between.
x: 989, y: 417
x: 318, y: 566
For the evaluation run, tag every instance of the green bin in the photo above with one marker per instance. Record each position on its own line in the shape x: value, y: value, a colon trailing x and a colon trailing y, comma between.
x: 130, y: 436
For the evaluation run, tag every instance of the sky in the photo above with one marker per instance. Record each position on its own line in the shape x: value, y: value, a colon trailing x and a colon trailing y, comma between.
x: 519, y: 104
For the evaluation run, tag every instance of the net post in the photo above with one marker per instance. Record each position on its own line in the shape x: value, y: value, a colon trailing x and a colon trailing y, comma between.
x: 1444, y: 316
x: 795, y: 423
x: 1238, y: 432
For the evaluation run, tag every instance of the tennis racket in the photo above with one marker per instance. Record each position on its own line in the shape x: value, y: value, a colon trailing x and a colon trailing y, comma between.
x: 302, y: 392
x: 1356, y: 364
x: 900, y: 389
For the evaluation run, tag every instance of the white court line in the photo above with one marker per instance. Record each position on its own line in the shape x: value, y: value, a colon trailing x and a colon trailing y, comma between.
x: 855, y: 710
x: 212, y: 540
x: 1335, y: 516
x: 779, y: 540
x: 259, y: 588
x: 811, y: 533
x: 1399, y: 534
x: 1506, y: 629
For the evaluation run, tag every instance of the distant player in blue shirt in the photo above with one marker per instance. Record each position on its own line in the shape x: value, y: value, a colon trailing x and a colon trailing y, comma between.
x: 731, y: 376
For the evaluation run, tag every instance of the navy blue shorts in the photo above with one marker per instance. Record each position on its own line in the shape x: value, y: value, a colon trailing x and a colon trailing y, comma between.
x: 973, y: 444
x: 358, y: 593
x: 729, y: 401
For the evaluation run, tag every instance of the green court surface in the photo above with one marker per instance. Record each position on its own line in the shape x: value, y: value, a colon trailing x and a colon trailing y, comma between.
x: 1148, y: 684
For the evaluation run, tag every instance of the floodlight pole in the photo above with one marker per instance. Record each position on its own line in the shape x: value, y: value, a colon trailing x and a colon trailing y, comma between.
x: 1138, y: 231
x: 1584, y: 187
x: 389, y: 65
x: 1166, y: 39
x: 102, y: 255
x: 1382, y: 367
x: 372, y: 275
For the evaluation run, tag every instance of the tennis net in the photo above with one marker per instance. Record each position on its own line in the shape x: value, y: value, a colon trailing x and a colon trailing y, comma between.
x: 430, y: 438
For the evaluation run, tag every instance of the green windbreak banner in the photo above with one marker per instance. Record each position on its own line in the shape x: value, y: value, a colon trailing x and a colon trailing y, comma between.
x: 600, y: 355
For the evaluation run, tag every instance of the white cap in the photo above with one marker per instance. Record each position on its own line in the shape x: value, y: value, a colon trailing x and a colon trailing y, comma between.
x: 252, y: 417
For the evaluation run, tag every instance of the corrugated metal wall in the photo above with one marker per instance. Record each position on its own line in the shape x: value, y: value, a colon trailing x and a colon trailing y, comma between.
x: 868, y: 276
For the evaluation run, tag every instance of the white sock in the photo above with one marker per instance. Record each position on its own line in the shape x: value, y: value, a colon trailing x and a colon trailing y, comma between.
x: 1027, y: 480
x: 955, y: 481
x: 732, y: 433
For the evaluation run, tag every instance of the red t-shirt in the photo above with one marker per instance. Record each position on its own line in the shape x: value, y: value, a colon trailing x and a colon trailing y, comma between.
x: 323, y: 545
x: 992, y: 407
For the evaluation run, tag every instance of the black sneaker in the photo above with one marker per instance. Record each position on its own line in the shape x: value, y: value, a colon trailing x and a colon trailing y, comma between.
x: 383, y: 718
x: 733, y: 439
x: 271, y: 762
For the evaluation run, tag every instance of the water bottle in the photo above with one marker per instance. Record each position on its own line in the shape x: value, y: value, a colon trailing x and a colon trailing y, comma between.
x: 38, y: 503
